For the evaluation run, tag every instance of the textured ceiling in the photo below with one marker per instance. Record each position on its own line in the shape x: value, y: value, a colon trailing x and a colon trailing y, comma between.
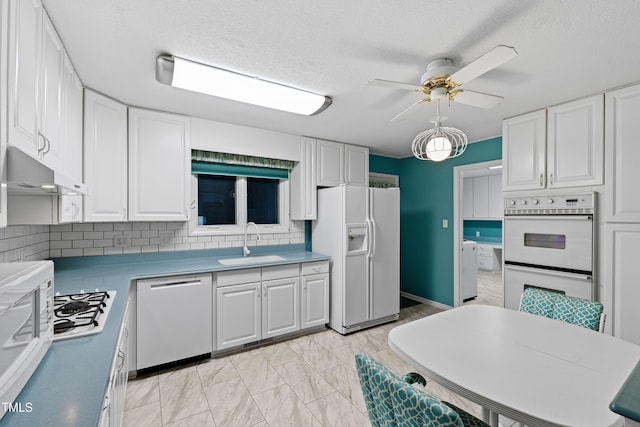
x: 567, y: 49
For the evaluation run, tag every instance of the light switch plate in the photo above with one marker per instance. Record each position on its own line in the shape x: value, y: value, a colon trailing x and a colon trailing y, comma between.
x: 445, y: 223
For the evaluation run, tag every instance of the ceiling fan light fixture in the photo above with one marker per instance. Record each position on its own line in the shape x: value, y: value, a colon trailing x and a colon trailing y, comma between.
x: 196, y: 77
x: 439, y: 143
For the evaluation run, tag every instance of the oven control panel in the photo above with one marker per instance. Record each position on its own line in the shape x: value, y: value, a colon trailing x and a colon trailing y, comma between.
x: 550, y: 204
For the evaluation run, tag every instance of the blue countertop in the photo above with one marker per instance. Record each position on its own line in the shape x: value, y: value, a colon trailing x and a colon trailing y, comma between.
x: 68, y: 388
x: 627, y: 401
x: 485, y: 240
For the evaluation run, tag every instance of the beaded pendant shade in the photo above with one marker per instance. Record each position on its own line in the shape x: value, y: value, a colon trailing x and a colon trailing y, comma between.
x: 439, y: 143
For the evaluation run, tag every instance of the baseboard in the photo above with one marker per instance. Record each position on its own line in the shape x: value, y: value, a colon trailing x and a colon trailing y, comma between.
x: 425, y: 301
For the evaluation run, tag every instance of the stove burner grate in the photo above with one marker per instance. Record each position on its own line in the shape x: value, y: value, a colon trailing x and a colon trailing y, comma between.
x: 78, y: 310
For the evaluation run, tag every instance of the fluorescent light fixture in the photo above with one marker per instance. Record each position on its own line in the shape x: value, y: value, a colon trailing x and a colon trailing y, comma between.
x: 495, y: 167
x: 193, y: 76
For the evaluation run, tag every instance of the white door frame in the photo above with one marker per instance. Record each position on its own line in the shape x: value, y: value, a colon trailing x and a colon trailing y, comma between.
x: 458, y: 172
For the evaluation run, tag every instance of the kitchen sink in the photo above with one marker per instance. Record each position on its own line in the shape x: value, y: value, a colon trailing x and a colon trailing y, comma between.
x: 251, y: 260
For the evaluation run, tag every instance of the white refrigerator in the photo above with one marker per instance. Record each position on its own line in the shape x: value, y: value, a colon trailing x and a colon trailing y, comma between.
x: 359, y: 228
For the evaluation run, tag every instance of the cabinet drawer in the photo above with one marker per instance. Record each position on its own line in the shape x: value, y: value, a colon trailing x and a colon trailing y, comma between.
x: 485, y: 250
x: 315, y: 267
x: 485, y: 263
x: 280, y: 271
x: 237, y: 277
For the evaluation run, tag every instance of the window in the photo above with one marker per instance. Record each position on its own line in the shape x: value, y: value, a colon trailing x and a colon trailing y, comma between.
x: 225, y: 204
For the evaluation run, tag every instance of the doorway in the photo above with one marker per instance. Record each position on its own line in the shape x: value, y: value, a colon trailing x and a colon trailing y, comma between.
x: 478, y: 210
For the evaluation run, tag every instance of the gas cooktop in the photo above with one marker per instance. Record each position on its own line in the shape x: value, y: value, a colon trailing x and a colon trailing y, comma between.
x: 80, y: 314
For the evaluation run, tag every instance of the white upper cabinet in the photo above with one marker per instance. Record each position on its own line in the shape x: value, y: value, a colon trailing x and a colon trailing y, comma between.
x: 523, y: 151
x: 24, y: 71
x: 482, y: 197
x: 105, y: 158
x: 356, y: 165
x: 341, y: 164
x: 575, y: 143
x: 159, y: 166
x: 330, y: 159
x: 43, y: 90
x: 467, y: 198
x: 50, y: 123
x: 73, y: 108
x: 303, y: 191
x: 496, y: 206
x: 623, y: 151
x: 558, y: 148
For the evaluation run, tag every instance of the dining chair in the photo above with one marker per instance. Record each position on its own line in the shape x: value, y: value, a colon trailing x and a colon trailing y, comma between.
x: 394, y: 401
x: 577, y: 311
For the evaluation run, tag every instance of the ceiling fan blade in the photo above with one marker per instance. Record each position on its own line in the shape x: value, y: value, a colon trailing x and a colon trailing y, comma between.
x: 476, y: 99
x: 490, y: 60
x: 395, y: 85
x: 405, y: 111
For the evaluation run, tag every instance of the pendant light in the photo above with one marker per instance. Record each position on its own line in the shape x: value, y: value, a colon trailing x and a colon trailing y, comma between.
x: 439, y: 143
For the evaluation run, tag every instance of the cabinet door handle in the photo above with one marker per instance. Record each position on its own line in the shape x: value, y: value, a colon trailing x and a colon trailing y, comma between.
x: 40, y: 137
x: 124, y: 213
x: 541, y: 180
x: 551, y: 179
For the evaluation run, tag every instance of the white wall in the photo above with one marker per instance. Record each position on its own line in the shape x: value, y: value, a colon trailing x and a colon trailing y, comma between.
x: 24, y: 243
x: 98, y: 238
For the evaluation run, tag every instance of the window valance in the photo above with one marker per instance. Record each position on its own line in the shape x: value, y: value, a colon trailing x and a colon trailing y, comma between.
x: 216, y: 163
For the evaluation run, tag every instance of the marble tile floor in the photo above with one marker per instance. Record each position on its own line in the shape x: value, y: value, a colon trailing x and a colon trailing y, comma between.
x: 490, y: 289
x: 306, y: 381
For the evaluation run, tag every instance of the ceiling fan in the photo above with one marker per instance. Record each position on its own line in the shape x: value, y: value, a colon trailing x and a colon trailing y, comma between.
x: 441, y: 80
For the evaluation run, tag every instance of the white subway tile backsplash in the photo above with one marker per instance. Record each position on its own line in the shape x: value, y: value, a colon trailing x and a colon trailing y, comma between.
x: 102, y: 227
x: 24, y: 243
x: 38, y: 242
x: 93, y: 235
x: 82, y: 227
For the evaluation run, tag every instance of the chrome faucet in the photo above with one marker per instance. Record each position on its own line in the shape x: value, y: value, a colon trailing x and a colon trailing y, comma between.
x: 245, y: 249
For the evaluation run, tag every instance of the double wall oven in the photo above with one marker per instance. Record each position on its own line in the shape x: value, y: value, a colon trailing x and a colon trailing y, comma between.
x: 549, y: 244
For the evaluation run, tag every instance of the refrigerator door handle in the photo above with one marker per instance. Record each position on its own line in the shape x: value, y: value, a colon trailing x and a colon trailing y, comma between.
x: 369, y: 233
x: 372, y: 236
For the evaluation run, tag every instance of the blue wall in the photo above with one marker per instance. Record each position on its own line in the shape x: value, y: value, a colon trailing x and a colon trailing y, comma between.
x: 426, y: 199
x: 490, y: 231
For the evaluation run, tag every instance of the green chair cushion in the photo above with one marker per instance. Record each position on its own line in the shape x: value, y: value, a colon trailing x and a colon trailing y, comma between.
x: 577, y: 311
x: 392, y: 401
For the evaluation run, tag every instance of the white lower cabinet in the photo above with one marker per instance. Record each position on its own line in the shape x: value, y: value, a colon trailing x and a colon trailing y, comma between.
x: 280, y: 306
x: 114, y: 400
x: 621, y: 272
x: 259, y: 303
x: 487, y: 258
x: 238, y: 315
x: 314, y: 300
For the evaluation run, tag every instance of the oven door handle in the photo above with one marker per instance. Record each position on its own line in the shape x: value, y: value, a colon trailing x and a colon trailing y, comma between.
x: 548, y: 272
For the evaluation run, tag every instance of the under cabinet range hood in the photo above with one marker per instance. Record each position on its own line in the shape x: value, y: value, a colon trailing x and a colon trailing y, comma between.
x: 26, y: 175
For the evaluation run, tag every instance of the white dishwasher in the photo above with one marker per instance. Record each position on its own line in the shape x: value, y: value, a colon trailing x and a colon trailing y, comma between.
x: 174, y: 319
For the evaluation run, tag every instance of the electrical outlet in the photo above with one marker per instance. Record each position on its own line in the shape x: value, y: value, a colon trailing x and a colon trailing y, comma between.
x: 445, y: 223
x: 477, y: 234
x: 121, y: 241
